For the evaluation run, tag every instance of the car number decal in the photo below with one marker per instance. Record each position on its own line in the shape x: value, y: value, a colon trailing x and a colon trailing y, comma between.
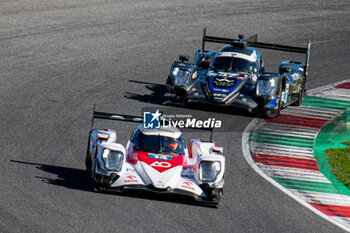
x: 160, y: 164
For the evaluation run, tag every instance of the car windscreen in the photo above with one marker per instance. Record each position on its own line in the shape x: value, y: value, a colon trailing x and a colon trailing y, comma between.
x: 159, y: 144
x: 232, y: 64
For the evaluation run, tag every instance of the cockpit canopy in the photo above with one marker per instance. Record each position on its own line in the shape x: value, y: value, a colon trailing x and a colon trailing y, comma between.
x: 235, y: 59
x: 232, y: 64
x: 158, y: 143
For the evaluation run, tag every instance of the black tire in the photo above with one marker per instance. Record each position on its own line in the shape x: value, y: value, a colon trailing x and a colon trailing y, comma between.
x: 300, y: 96
x: 277, y: 109
x: 96, y: 187
x: 216, y: 198
x: 87, y: 158
x: 180, y: 97
x: 90, y: 170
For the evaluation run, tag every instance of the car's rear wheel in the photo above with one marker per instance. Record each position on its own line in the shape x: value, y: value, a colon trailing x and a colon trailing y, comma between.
x: 300, y: 97
x: 88, y: 163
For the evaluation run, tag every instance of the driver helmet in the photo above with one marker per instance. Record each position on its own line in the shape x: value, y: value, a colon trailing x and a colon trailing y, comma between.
x: 172, y: 143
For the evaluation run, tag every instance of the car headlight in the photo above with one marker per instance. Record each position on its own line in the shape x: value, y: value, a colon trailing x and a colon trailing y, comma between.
x: 194, y: 75
x: 175, y: 70
x: 180, y: 76
x: 209, y: 170
x: 113, y: 159
x: 264, y: 87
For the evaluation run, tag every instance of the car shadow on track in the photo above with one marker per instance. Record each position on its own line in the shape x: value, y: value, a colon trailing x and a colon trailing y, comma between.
x: 71, y: 178
x: 74, y: 178
x: 157, y: 96
x: 171, y: 198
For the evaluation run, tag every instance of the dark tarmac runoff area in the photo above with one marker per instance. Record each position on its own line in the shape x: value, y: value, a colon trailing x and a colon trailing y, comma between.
x: 59, y: 58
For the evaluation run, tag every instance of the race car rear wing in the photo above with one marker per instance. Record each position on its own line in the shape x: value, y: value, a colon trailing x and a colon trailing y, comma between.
x: 252, y: 42
x: 130, y: 118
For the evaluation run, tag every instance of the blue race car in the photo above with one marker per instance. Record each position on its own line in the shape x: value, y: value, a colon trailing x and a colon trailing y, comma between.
x: 235, y: 76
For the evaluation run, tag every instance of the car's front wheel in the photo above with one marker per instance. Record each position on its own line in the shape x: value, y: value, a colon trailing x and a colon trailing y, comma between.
x: 180, y: 97
x: 277, y: 109
x: 95, y: 185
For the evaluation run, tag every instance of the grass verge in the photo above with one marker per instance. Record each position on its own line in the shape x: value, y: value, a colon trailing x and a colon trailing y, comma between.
x: 339, y: 160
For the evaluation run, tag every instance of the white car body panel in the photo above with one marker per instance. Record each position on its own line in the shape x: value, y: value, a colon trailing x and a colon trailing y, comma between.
x: 158, y: 171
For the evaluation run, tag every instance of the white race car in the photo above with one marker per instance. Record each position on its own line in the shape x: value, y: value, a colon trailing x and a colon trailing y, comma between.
x: 156, y: 160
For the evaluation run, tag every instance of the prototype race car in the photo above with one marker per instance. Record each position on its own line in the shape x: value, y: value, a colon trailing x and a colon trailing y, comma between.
x: 235, y: 76
x: 156, y: 160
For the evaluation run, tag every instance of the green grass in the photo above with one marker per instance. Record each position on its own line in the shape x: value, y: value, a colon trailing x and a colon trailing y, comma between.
x: 339, y: 160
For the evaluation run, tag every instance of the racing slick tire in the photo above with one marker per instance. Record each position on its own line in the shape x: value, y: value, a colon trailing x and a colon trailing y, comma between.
x: 90, y: 170
x: 272, y: 113
x: 213, y: 194
x: 300, y: 97
x: 216, y: 198
x: 88, y: 163
x: 96, y: 187
x: 180, y: 97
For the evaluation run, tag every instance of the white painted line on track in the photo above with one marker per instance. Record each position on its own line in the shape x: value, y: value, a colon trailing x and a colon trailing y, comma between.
x: 311, y: 112
x: 294, y: 173
x: 324, y: 198
x: 330, y: 95
x: 345, y: 221
x: 285, y: 128
x: 329, y: 86
x: 286, y: 132
x: 282, y: 150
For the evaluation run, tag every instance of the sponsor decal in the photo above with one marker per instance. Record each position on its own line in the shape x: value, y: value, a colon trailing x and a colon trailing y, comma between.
x: 284, y: 95
x: 241, y: 77
x: 161, y: 164
x: 254, y: 77
x: 295, y: 76
x: 151, y: 120
x: 131, y: 179
x: 221, y: 90
x: 224, y: 79
x: 162, y: 157
x: 223, y: 82
x: 187, y: 185
x: 130, y: 170
x: 219, y: 95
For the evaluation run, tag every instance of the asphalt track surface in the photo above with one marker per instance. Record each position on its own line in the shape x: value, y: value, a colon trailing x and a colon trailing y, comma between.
x: 59, y: 57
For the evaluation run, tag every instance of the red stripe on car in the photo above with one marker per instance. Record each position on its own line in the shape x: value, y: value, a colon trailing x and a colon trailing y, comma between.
x: 161, y: 165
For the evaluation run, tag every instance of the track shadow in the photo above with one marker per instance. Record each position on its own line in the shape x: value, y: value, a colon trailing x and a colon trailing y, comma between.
x: 228, y: 110
x: 165, y: 197
x: 77, y: 179
x: 157, y: 96
x: 71, y: 178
